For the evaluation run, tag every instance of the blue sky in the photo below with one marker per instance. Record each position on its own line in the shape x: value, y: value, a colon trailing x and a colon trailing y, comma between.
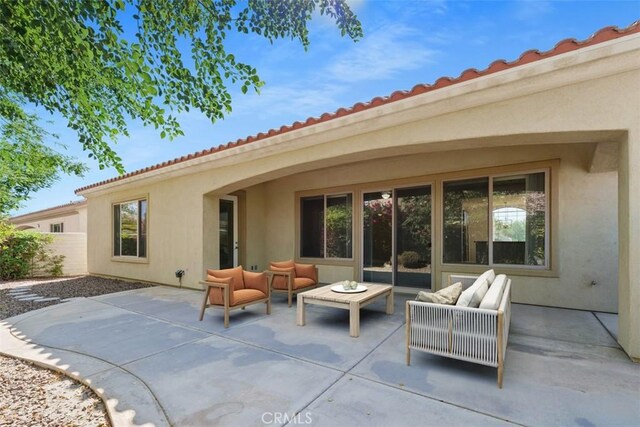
x: 406, y: 42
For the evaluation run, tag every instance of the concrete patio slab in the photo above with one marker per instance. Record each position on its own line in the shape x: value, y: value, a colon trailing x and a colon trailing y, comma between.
x: 547, y: 382
x: 218, y: 381
x: 146, y: 353
x: 103, y: 331
x: 560, y: 324
x: 129, y: 402
x: 325, y: 337
x: 355, y: 401
x: 610, y: 321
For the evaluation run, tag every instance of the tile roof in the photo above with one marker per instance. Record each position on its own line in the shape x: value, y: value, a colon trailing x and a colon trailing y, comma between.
x: 77, y: 203
x: 564, y: 46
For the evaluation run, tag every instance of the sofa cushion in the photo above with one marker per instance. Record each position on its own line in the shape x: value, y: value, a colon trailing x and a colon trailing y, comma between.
x: 473, y: 295
x: 493, y: 297
x: 448, y: 295
x: 489, y: 275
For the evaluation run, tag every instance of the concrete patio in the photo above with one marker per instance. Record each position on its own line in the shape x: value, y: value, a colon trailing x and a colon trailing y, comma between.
x: 154, y: 363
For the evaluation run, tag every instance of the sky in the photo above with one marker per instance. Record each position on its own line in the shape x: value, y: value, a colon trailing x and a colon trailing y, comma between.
x: 405, y: 43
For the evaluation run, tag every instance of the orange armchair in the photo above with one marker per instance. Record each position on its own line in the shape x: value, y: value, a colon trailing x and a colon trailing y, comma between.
x: 291, y: 277
x: 234, y: 288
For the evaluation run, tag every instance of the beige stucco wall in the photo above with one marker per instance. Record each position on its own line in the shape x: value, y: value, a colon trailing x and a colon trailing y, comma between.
x: 587, y: 209
x: 74, y: 222
x: 568, y: 103
x: 74, y: 248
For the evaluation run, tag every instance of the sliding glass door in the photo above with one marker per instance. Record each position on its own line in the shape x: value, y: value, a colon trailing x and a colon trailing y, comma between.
x: 397, y: 237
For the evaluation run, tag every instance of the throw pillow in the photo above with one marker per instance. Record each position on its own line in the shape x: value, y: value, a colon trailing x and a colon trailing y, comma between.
x: 448, y: 295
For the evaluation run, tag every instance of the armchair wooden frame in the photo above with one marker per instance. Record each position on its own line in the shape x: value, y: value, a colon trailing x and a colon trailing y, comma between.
x: 289, y: 278
x: 224, y: 287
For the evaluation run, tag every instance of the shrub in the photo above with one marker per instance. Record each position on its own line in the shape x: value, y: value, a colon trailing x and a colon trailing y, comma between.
x: 24, y: 252
x: 410, y: 259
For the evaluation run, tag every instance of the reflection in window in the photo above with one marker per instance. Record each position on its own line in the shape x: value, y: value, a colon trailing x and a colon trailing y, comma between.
x: 339, y: 223
x: 519, y: 205
x: 466, y: 225
x: 130, y: 229
x: 326, y: 226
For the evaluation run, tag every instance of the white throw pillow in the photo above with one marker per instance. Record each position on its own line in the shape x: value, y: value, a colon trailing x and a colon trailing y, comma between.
x: 448, y: 295
x: 493, y: 297
x: 474, y: 294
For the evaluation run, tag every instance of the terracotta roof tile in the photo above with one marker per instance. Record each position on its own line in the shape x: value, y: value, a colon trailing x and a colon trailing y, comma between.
x: 564, y: 46
x: 77, y: 203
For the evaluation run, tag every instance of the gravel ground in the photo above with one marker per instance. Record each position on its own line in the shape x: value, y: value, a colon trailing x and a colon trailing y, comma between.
x: 34, y: 396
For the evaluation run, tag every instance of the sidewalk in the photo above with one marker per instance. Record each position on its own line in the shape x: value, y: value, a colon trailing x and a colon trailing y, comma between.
x: 154, y: 363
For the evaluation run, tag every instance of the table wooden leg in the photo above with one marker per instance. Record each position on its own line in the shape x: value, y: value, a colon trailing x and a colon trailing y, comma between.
x: 354, y: 319
x: 390, y: 302
x: 300, y: 311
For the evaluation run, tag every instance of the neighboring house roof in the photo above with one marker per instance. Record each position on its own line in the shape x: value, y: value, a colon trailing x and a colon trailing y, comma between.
x: 564, y: 46
x: 49, y: 212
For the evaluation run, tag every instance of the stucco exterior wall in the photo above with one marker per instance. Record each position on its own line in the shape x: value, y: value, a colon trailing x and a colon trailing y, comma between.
x: 73, y: 222
x: 587, y: 209
x: 74, y: 248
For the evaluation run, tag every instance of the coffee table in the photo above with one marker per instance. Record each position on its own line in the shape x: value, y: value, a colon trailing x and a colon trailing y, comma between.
x: 348, y: 301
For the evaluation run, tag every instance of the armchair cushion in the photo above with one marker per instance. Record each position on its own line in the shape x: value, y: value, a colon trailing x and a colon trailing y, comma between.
x: 243, y: 296
x: 235, y: 273
x: 283, y: 264
x: 303, y: 282
x: 306, y: 270
x: 255, y: 281
x: 280, y: 282
x: 215, y: 294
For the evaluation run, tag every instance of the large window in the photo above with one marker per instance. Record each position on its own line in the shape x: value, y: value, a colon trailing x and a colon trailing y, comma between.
x: 514, y: 233
x: 326, y: 226
x: 130, y: 229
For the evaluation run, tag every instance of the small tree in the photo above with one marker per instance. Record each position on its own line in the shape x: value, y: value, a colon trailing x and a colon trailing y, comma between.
x: 24, y: 252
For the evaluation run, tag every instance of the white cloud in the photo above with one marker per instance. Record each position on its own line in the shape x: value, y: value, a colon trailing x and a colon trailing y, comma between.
x: 532, y: 9
x: 381, y: 55
x: 298, y: 99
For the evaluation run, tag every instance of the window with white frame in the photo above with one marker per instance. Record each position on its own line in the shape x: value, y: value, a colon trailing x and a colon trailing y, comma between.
x: 326, y: 226
x: 497, y: 220
x: 57, y: 228
x: 130, y: 229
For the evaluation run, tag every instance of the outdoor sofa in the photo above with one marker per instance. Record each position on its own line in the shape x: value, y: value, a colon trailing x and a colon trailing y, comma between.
x: 477, y: 335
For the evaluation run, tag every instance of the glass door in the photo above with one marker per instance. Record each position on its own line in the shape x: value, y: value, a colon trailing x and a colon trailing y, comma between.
x: 413, y: 237
x: 228, y: 226
x: 377, y: 235
x: 396, y: 247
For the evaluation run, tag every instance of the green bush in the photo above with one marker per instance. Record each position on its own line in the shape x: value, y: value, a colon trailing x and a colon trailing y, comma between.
x: 410, y: 259
x: 22, y: 253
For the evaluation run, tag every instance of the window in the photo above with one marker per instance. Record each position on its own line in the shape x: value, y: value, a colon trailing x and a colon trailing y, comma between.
x: 130, y: 229
x: 57, y: 228
x: 517, y: 225
x: 326, y: 226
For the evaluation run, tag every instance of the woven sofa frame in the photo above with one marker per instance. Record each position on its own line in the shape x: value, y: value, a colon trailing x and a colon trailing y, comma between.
x: 470, y: 334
